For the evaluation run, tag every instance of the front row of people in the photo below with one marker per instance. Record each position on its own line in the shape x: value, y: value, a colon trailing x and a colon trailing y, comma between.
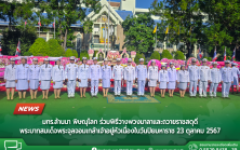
x: 25, y: 77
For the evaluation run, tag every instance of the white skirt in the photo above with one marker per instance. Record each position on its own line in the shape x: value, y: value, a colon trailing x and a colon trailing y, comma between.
x: 182, y: 85
x: 10, y: 84
x: 152, y: 83
x: 33, y: 85
x: 163, y: 85
x: 83, y: 83
x: 45, y: 85
x: 58, y: 85
x: 22, y: 85
x: 171, y: 85
x: 235, y: 81
x: 106, y: 83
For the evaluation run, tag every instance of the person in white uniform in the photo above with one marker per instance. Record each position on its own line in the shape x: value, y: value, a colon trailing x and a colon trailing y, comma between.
x: 83, y: 77
x: 58, y: 77
x: 194, y: 77
x: 129, y: 77
x: 236, y: 74
x: 33, y: 78
x: 152, y: 78
x: 141, y: 77
x: 21, y: 75
x: 182, y: 80
x: 95, y: 76
x: 204, y: 77
x: 118, y: 77
x: 227, y: 79
x: 215, y: 80
x: 71, y: 76
x: 172, y: 75
x: 106, y: 77
x: 45, y: 78
x: 163, y: 80
x: 9, y: 78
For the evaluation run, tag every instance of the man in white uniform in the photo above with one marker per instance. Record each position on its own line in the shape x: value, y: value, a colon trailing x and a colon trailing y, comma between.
x: 227, y: 79
x: 129, y: 77
x: 117, y: 76
x: 141, y: 77
x: 204, y: 77
x: 194, y: 77
x: 71, y: 74
x: 95, y: 76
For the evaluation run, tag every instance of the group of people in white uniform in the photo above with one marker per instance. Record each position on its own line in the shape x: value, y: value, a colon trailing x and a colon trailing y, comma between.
x: 24, y: 77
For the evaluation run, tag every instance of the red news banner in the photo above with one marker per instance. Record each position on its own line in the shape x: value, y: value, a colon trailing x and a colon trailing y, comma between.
x: 29, y: 108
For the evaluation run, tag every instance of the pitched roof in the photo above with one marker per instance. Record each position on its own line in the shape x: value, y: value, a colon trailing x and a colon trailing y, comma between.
x: 123, y: 14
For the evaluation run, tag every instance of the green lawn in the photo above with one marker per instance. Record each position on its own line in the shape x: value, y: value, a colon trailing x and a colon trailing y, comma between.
x: 211, y: 112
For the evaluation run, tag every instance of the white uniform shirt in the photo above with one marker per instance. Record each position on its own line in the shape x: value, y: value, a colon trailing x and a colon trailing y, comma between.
x: 141, y: 72
x: 9, y: 73
x: 193, y: 73
x: 33, y: 72
x: 71, y: 71
x: 153, y: 73
x: 172, y: 74
x: 163, y: 76
x: 95, y: 72
x: 45, y: 72
x: 84, y: 72
x: 204, y: 73
x: 118, y: 72
x: 215, y: 75
x: 58, y: 73
x: 21, y: 72
x: 226, y: 73
x: 129, y: 73
x: 183, y: 76
x: 106, y: 72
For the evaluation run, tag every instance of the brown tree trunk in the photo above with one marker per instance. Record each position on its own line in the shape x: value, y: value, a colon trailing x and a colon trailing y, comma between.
x: 65, y: 39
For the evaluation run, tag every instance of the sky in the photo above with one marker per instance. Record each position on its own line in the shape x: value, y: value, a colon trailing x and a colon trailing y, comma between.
x: 140, y: 3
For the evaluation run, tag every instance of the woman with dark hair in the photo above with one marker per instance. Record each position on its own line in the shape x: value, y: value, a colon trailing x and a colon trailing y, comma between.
x: 152, y: 77
x: 163, y: 80
x: 183, y: 80
x: 58, y: 77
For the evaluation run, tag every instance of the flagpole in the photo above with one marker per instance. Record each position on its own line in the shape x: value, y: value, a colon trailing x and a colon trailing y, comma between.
x: 39, y: 26
x: 54, y: 27
x: 108, y: 23
x: 156, y: 37
x: 105, y: 38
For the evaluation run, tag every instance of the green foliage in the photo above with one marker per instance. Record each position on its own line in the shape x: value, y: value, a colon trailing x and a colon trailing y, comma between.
x: 39, y: 47
x: 208, y: 58
x: 166, y: 54
x: 179, y: 55
x: 84, y: 53
x: 75, y: 53
x: 138, y: 56
x: 68, y: 53
x: 54, y: 48
x: 42, y: 48
x: 27, y: 54
x: 155, y: 55
x: 139, y: 33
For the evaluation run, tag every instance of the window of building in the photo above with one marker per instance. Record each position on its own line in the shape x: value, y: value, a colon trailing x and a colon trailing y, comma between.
x: 96, y: 39
x: 169, y: 45
x: 96, y: 29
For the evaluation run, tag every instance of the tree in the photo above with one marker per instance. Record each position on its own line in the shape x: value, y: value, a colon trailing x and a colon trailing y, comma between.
x: 155, y: 55
x: 223, y: 25
x: 139, y: 33
x: 179, y: 55
x: 84, y: 54
x: 39, y: 47
x: 166, y: 54
x: 68, y: 53
x: 182, y: 20
x: 68, y: 12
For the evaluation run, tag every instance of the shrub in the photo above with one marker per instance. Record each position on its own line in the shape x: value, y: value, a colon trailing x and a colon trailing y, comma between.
x: 208, y: 58
x: 138, y: 56
x: 155, y: 55
x: 39, y: 47
x: 166, y: 54
x: 55, y: 49
x: 75, y: 53
x: 84, y: 53
x: 179, y: 55
x: 68, y: 53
